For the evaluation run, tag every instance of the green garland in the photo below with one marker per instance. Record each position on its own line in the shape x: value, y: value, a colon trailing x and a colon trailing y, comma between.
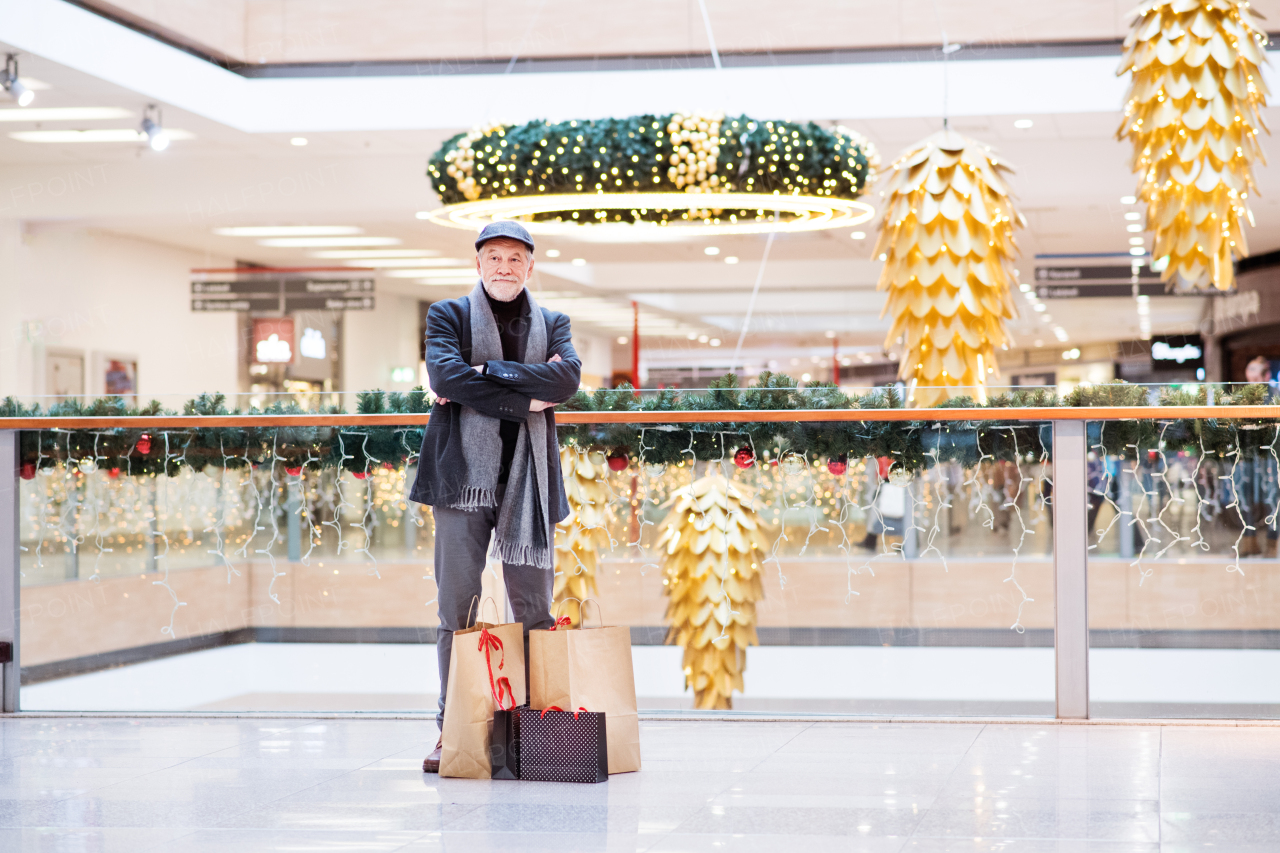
x: 914, y: 445
x: 640, y: 154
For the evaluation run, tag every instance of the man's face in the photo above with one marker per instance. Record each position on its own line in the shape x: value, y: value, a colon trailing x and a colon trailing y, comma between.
x: 504, y: 266
x: 1257, y: 371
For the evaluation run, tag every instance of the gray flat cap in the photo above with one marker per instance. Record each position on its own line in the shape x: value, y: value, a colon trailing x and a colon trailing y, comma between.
x: 504, y: 228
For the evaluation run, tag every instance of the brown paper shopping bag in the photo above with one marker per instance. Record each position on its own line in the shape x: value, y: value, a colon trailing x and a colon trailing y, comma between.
x: 589, y: 668
x: 486, y: 671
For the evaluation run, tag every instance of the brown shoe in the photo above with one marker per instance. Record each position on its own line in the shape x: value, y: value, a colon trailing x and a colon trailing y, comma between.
x: 431, y: 764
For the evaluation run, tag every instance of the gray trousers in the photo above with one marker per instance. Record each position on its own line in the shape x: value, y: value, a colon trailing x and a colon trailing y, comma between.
x: 462, y: 543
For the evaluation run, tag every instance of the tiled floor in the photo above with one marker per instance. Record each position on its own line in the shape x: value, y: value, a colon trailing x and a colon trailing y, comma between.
x: 248, y: 785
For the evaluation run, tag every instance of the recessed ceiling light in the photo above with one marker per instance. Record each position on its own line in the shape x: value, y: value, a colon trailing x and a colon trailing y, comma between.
x: 622, y: 339
x: 553, y: 253
x: 1134, y: 229
x: 104, y: 135
x: 1133, y: 216
x: 731, y: 260
x: 859, y: 235
x: 693, y: 336
x: 702, y: 339
x: 711, y: 250
x: 321, y: 242
x: 456, y: 272
x: 64, y: 114
x: 1129, y: 199
x: 298, y: 141
x: 1137, y: 250
x: 1039, y: 306
x: 288, y: 230
x: 579, y: 262
x: 1025, y: 288
x: 1136, y: 241
x: 1023, y: 123
x: 715, y: 342
x: 375, y: 253
x: 392, y: 263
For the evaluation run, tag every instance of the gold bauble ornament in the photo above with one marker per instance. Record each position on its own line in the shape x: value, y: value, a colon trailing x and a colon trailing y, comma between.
x: 1193, y: 117
x: 583, y: 534
x: 712, y: 544
x: 946, y: 239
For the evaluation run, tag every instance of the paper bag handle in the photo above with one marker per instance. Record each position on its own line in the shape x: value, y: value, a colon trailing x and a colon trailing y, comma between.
x: 562, y: 620
x: 497, y: 617
x: 582, y: 621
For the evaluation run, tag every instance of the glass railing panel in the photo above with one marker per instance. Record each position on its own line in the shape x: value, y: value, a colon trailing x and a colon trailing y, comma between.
x: 282, y: 568
x: 1184, y: 620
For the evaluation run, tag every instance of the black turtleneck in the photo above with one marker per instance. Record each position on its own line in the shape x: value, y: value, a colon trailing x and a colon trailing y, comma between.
x: 513, y: 329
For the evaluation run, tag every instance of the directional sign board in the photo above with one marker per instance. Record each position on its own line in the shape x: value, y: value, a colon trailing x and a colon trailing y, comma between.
x: 1097, y: 282
x: 285, y: 292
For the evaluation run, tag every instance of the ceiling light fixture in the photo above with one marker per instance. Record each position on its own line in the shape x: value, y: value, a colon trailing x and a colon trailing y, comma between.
x: 298, y: 141
x: 1133, y: 215
x: 1023, y: 123
x: 731, y: 260
x: 393, y: 263
x: 288, y: 231
x: 1134, y: 228
x: 337, y: 254
x: 152, y: 126
x: 711, y: 250
x: 579, y: 262
x: 859, y: 235
x: 1129, y: 199
x: 324, y: 242
x: 1137, y: 251
x: 1136, y: 241
x: 13, y: 85
x: 98, y: 135
x: 553, y: 253
x: 64, y: 114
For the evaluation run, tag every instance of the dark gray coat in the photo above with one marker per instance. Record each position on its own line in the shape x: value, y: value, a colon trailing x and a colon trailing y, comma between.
x: 504, y: 391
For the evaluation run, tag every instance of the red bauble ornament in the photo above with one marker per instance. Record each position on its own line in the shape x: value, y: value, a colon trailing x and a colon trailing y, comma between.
x: 744, y: 458
x: 113, y: 473
x: 618, y: 461
x: 295, y: 471
x: 359, y: 475
x: 838, y: 465
x: 28, y: 470
x: 388, y: 466
x: 144, y: 444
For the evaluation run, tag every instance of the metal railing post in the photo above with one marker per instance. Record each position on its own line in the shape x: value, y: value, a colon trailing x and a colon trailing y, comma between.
x: 10, y: 570
x: 1070, y: 570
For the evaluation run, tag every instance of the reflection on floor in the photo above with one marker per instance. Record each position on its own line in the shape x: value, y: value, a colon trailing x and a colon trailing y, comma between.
x: 904, y: 681
x: 195, y: 785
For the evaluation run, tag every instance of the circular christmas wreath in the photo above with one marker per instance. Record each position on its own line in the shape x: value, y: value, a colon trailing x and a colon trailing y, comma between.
x: 721, y: 174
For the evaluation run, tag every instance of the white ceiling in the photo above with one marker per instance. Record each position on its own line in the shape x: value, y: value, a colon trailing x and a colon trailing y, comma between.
x: 240, y: 169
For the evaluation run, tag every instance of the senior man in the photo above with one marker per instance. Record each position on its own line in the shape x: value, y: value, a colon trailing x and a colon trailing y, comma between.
x: 490, y: 463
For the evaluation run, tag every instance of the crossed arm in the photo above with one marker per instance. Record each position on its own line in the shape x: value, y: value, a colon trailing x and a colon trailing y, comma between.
x: 502, y: 389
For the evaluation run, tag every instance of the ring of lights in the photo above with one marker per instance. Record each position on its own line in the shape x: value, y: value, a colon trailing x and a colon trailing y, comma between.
x: 792, y: 212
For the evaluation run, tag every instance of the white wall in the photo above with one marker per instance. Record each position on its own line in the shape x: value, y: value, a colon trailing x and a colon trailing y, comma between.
x: 375, y: 342
x: 70, y: 288
x: 596, y: 352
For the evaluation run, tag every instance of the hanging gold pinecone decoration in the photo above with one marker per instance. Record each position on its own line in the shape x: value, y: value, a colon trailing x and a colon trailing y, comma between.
x: 713, y: 546
x: 1193, y: 117
x: 583, y: 534
x: 946, y: 240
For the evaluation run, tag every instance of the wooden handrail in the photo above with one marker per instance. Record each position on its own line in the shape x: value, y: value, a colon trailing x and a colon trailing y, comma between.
x: 1108, y: 413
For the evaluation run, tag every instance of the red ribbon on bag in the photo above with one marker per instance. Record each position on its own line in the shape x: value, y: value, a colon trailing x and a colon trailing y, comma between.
x: 488, y: 643
x: 561, y: 710
x: 561, y: 622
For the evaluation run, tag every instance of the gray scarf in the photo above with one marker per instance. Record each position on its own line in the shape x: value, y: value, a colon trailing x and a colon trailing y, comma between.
x: 523, y: 533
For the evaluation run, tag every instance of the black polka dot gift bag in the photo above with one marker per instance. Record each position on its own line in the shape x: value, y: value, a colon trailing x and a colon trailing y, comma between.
x: 562, y: 746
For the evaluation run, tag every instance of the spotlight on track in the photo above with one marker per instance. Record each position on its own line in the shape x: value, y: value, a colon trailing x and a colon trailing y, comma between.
x: 151, y: 126
x: 13, y: 85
